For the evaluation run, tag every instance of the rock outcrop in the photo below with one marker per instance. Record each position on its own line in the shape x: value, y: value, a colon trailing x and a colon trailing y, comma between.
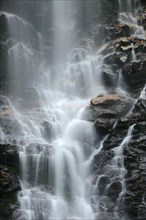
x: 9, y: 162
x: 106, y: 109
x: 134, y: 159
x: 126, y: 55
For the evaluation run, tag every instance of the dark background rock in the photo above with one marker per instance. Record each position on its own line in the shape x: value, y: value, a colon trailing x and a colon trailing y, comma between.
x: 135, y: 77
x: 134, y: 163
x: 9, y: 156
x: 9, y: 186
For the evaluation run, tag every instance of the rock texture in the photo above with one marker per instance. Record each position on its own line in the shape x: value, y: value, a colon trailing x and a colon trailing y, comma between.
x: 113, y: 117
x: 9, y: 163
x: 106, y: 109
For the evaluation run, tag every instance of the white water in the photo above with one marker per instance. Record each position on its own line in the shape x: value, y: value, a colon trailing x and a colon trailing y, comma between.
x: 133, y: 54
x: 118, y: 164
x: 56, y: 145
x: 54, y: 142
x: 60, y: 164
x: 143, y: 93
x: 126, y: 17
x: 115, y: 172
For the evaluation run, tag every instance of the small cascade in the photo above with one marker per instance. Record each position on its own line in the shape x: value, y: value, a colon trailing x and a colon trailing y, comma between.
x: 133, y: 55
x: 55, y: 143
x: 112, y: 177
x: 21, y: 30
x: 118, y: 162
x: 143, y: 93
x: 126, y: 17
x: 120, y: 86
x: 64, y: 160
x: 126, y: 5
x: 25, y: 42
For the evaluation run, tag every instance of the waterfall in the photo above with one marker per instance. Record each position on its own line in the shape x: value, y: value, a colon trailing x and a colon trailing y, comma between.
x: 126, y: 17
x: 133, y: 55
x: 55, y: 143
x: 47, y: 97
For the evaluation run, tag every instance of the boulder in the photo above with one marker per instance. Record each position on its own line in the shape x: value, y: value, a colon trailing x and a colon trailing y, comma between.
x: 105, y: 110
x: 114, y: 104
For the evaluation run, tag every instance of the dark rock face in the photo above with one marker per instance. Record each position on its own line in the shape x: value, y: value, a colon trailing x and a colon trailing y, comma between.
x: 134, y: 154
x: 9, y: 185
x: 140, y: 106
x: 135, y: 164
x: 120, y: 46
x: 9, y: 162
x: 9, y: 156
x: 135, y: 77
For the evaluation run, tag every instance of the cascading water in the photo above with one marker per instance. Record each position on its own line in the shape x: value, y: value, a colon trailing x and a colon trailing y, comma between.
x: 125, y: 16
x: 54, y: 142
x: 56, y: 145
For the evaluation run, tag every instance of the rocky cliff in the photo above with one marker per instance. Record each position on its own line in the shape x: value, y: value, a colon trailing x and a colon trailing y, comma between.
x: 112, y: 113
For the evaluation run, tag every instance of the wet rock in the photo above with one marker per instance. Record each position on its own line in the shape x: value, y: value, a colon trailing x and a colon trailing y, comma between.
x: 114, y: 58
x: 106, y: 204
x: 114, y: 190
x: 134, y: 162
x: 100, y: 161
x: 105, y: 110
x: 9, y: 185
x: 9, y: 156
x: 3, y: 102
x: 10, y: 125
x: 119, y: 132
x: 99, y: 34
x: 9, y: 182
x: 3, y: 65
x: 4, y: 30
x: 48, y: 130
x: 134, y: 77
x: 102, y: 183
x: 117, y: 105
x: 104, y: 125
x: 119, y: 30
x: 140, y: 106
x: 109, y: 77
x: 143, y: 20
x: 124, y: 59
x: 35, y: 148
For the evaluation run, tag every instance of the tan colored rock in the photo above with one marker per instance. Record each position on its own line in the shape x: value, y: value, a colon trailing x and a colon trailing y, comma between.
x: 107, y: 98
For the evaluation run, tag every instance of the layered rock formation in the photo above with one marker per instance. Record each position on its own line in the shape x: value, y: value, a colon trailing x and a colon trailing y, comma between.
x: 113, y: 118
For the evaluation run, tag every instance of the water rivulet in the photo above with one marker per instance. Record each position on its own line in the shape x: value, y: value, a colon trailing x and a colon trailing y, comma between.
x: 73, y: 153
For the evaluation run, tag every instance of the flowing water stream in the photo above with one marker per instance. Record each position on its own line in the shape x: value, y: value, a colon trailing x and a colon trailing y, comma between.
x: 56, y: 145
